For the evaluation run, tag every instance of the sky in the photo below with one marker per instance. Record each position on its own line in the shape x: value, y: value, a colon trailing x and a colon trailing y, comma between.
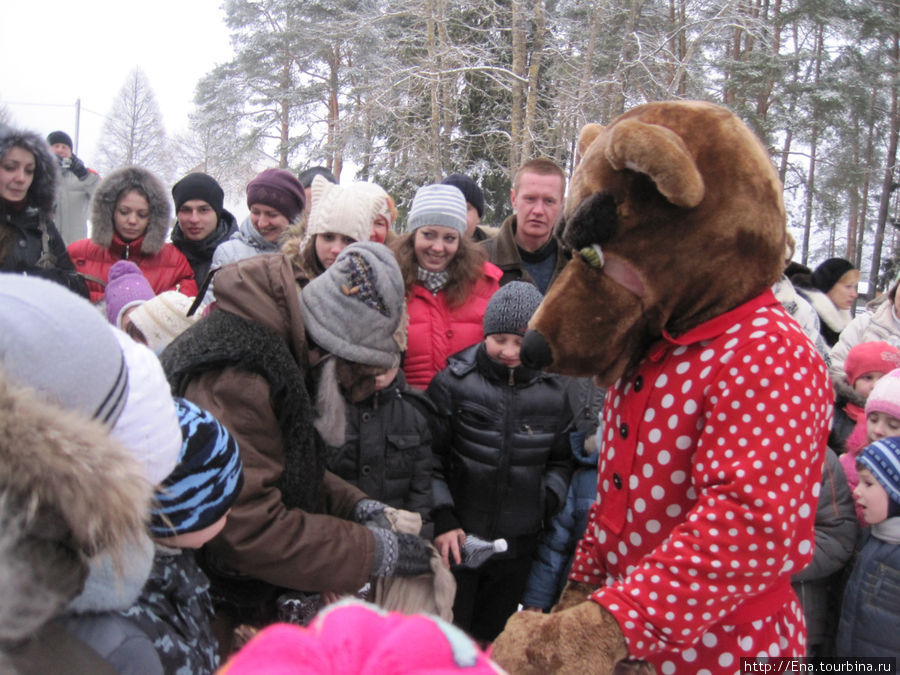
x: 54, y: 53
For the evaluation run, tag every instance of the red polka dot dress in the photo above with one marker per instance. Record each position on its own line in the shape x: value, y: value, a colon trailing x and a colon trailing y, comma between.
x: 707, y: 486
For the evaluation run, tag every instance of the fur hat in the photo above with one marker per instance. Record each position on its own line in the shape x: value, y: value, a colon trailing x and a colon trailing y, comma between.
x: 438, y: 205
x: 882, y: 458
x: 116, y: 185
x: 826, y: 275
x: 470, y: 190
x: 346, y: 209
x: 199, y: 185
x: 57, y: 343
x: 355, y: 637
x: 163, y: 318
x: 126, y: 288
x: 871, y: 357
x: 67, y: 492
x: 42, y: 193
x: 510, y: 308
x: 885, y: 396
x: 306, y: 177
x: 55, y: 137
x: 148, y: 426
x: 355, y: 309
x: 206, y: 481
x: 280, y: 190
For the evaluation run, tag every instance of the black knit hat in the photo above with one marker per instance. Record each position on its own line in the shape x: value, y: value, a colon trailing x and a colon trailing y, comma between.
x: 306, y: 177
x: 829, y: 273
x: 470, y: 190
x: 510, y: 308
x: 199, y: 186
x: 60, y: 137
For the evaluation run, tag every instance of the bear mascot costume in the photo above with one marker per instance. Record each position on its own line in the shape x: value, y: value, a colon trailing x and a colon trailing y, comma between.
x: 716, y: 421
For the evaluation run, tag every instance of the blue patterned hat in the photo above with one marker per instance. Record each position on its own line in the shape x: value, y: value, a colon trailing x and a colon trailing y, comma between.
x: 206, y: 481
x: 882, y: 458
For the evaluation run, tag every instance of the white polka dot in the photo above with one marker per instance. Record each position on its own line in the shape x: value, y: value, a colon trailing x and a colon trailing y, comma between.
x: 689, y: 655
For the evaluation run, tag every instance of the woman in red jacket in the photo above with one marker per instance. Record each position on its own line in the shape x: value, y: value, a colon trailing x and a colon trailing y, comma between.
x: 448, y: 282
x: 130, y: 217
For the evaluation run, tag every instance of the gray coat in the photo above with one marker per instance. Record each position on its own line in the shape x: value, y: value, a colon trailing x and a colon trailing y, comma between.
x: 819, y: 583
x: 245, y: 243
x: 73, y: 198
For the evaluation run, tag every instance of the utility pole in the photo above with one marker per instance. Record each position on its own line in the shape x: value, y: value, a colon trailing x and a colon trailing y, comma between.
x: 77, y: 121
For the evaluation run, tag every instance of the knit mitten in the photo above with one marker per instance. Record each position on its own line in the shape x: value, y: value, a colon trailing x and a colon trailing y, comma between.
x: 399, y: 554
x: 370, y: 512
x: 583, y: 639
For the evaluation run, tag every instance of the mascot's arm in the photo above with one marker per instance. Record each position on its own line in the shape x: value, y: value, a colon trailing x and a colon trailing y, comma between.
x: 582, y: 639
x: 756, y: 463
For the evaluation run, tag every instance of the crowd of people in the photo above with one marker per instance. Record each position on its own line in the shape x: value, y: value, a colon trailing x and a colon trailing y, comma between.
x: 318, y: 403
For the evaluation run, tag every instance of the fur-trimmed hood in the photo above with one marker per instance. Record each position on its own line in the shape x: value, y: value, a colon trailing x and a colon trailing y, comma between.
x: 67, y: 492
x: 106, y: 196
x: 42, y: 193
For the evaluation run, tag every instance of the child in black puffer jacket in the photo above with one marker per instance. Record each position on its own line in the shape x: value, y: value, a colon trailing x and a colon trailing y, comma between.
x: 502, y: 460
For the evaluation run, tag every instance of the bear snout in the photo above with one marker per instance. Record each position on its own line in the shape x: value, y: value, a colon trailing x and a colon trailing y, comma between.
x: 535, y: 353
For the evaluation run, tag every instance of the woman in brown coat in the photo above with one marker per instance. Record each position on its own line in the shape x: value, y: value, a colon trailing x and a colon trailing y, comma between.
x: 295, y: 525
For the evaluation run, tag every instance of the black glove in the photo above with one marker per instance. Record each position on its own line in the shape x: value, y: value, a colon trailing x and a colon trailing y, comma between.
x: 399, y: 555
x: 77, y: 167
x: 370, y: 512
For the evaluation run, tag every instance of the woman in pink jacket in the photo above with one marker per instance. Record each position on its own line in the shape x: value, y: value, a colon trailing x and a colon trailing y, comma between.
x: 448, y: 282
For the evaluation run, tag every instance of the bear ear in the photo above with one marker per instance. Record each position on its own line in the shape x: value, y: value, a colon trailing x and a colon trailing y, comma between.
x: 659, y: 153
x: 588, y: 133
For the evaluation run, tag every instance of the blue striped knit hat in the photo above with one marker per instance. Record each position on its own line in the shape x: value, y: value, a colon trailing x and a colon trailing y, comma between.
x: 438, y: 205
x: 882, y: 458
x: 206, y: 481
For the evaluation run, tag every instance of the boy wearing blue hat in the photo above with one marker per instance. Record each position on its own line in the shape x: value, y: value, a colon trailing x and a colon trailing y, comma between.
x: 192, y: 504
x: 870, y: 613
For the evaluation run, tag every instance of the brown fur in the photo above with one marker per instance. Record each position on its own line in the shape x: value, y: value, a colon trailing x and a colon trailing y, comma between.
x: 464, y: 270
x: 67, y: 492
x: 686, y: 197
x: 50, y: 457
x: 582, y: 639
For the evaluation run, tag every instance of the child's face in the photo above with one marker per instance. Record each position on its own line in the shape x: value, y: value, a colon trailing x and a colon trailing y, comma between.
x: 865, y: 382
x: 383, y: 380
x: 195, y: 539
x: 881, y: 425
x: 871, y: 497
x: 504, y: 348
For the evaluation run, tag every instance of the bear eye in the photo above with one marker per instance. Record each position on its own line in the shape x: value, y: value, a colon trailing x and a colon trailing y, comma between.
x: 594, y: 221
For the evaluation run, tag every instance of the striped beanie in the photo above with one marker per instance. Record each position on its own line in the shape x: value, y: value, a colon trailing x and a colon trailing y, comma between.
x: 206, y: 481
x: 57, y: 343
x: 438, y: 205
x: 882, y: 458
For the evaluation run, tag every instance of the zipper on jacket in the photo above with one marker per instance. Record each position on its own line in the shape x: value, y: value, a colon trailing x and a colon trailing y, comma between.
x: 127, y: 252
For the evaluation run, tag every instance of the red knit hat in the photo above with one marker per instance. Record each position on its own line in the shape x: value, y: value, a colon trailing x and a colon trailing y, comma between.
x: 870, y: 357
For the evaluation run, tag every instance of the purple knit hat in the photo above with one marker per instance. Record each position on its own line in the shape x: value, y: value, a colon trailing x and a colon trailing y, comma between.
x: 126, y: 288
x: 279, y: 189
x: 885, y: 396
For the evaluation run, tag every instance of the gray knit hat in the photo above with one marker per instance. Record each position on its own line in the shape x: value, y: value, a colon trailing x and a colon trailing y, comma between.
x: 55, y: 342
x: 510, y: 308
x: 438, y: 205
x: 355, y: 309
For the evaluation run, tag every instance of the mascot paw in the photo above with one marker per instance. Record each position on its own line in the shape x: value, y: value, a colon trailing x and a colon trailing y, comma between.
x: 573, y: 594
x: 582, y: 639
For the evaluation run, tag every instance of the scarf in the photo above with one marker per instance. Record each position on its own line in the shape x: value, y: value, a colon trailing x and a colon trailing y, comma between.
x: 433, y: 281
